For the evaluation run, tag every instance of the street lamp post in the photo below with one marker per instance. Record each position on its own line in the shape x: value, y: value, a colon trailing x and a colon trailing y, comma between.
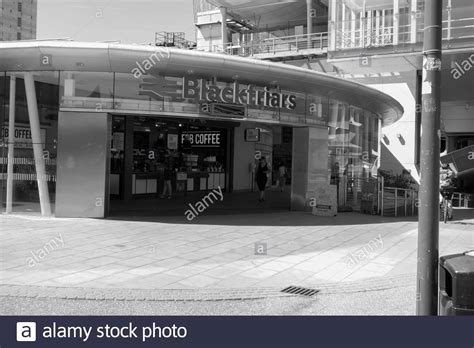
x: 428, y: 227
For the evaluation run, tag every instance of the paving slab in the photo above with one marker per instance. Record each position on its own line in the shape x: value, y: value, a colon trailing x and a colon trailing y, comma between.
x: 216, y: 253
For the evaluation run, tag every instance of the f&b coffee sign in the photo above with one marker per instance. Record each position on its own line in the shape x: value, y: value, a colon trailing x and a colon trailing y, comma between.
x: 202, y: 138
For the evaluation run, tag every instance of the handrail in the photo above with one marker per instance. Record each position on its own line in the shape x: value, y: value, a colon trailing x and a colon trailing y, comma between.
x: 408, y: 196
x: 314, y: 41
x: 363, y: 33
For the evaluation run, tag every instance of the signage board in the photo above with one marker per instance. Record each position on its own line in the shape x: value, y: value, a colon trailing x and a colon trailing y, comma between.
x: 172, y: 141
x: 202, y: 138
x: 324, y: 202
x: 252, y: 135
x: 200, y: 89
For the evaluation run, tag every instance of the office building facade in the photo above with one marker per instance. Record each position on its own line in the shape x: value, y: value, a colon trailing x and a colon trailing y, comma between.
x: 18, y: 20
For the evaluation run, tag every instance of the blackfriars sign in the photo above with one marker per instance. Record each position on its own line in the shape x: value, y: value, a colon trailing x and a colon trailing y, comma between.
x: 200, y: 89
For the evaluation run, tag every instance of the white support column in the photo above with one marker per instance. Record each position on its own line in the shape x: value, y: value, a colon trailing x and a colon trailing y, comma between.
x: 414, y: 21
x: 11, y: 144
x: 343, y: 25
x: 224, y: 28
x: 370, y: 33
x: 353, y: 29
x: 333, y: 30
x: 364, y: 24
x: 377, y: 28
x: 396, y: 21
x: 37, y: 145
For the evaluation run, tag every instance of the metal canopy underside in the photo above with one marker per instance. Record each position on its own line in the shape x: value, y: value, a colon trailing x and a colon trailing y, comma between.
x: 268, y: 14
x: 107, y: 57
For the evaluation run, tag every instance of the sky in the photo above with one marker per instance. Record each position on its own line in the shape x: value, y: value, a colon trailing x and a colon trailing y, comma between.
x: 128, y: 21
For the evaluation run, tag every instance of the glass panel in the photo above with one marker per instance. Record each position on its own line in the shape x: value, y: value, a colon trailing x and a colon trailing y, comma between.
x: 87, y: 90
x: 140, y: 94
x: 3, y: 142
x: 317, y: 110
x: 25, y: 193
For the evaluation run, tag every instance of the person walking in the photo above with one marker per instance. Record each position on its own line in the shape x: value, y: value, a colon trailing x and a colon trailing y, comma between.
x: 262, y: 177
x: 167, y: 176
x: 282, y: 174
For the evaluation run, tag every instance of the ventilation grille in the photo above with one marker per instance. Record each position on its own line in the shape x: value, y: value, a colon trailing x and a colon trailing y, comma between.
x: 297, y: 290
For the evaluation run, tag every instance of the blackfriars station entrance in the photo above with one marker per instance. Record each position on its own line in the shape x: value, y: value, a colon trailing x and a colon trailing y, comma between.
x: 106, y: 139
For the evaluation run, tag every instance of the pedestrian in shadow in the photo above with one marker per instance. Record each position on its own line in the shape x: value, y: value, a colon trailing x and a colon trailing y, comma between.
x: 282, y: 174
x: 167, y: 176
x: 261, y: 177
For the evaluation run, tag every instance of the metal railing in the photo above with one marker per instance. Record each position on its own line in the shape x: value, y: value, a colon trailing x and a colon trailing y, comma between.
x: 363, y: 33
x: 396, y: 201
x: 315, y: 43
x: 463, y: 200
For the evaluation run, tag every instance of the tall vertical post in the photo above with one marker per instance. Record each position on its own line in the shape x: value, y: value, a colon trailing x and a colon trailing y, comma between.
x: 414, y: 20
x: 428, y: 226
x: 37, y: 144
x: 353, y: 29
x: 224, y: 28
x: 396, y: 21
x: 309, y: 21
x: 11, y: 144
x: 333, y: 25
x: 364, y: 28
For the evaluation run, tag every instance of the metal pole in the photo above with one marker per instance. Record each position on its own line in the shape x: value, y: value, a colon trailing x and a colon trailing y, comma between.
x: 37, y: 145
x: 428, y: 226
x: 11, y: 144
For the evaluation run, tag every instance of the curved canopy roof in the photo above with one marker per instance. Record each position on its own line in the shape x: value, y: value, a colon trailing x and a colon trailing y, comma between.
x: 109, y: 57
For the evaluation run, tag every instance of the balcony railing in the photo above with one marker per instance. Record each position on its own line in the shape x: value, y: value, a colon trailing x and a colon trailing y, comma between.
x: 315, y: 43
x: 367, y: 33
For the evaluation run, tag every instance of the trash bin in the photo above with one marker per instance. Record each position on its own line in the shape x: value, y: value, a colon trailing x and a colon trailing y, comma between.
x: 456, y: 284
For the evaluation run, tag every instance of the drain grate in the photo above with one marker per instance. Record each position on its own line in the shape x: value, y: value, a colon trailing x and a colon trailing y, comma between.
x: 297, y: 290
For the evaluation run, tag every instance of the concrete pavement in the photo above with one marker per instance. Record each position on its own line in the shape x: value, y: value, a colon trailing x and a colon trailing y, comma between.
x: 237, y: 253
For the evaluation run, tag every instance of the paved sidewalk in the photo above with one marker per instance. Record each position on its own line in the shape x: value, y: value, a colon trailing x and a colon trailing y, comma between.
x: 215, y: 252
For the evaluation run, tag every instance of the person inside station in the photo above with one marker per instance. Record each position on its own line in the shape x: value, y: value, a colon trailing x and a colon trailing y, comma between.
x: 261, y: 177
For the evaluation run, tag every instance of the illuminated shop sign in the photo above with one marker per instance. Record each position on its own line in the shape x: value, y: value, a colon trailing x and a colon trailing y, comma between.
x: 201, y: 90
x: 202, y: 139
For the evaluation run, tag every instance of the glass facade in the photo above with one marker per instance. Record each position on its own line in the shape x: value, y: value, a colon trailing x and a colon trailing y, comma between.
x: 353, y: 151
x: 22, y: 193
x: 353, y: 134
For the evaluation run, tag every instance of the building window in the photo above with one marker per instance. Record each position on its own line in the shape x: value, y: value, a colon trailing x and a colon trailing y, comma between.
x: 19, y: 7
x: 18, y: 36
x: 19, y: 21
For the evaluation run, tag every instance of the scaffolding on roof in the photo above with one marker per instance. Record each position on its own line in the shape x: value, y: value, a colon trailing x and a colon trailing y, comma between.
x: 173, y: 39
